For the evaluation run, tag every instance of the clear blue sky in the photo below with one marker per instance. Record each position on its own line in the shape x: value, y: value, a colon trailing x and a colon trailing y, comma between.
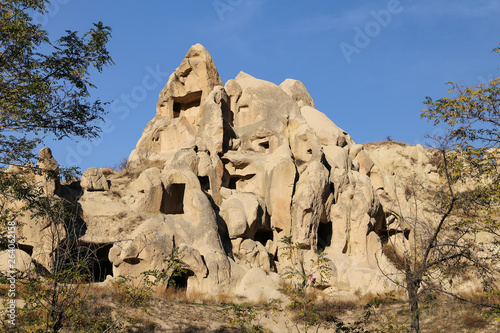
x: 367, y: 64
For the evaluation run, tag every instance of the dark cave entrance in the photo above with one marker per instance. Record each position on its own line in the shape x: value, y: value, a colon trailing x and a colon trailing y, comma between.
x: 232, y: 182
x: 204, y: 183
x: 324, y: 235
x: 89, y: 261
x: 262, y: 236
x: 179, y: 279
x: 173, y: 199
x: 187, y: 102
x: 263, y: 145
x: 26, y: 248
x: 236, y: 182
x: 101, y: 266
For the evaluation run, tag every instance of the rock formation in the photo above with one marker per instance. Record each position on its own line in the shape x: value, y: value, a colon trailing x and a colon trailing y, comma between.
x: 94, y: 180
x: 224, y: 173
x: 48, y: 180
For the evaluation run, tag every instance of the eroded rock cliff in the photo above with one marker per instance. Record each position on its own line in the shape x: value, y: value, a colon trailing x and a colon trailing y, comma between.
x: 224, y: 173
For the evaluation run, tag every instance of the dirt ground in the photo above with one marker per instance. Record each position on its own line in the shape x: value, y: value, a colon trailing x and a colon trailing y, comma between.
x: 440, y: 317
x: 173, y: 311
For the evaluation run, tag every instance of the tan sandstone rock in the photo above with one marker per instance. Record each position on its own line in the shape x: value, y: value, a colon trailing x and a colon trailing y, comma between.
x: 20, y: 260
x: 297, y: 91
x: 224, y: 172
x: 94, y: 180
x: 49, y: 177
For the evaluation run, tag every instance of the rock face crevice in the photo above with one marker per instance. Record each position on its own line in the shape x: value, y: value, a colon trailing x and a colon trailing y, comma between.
x: 224, y: 172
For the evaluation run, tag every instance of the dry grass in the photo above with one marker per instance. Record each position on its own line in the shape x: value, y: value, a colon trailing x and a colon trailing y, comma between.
x: 474, y: 321
x: 175, y: 310
x: 103, y: 292
x: 20, y: 287
x: 389, y: 313
x: 121, y: 215
x: 107, y: 171
x: 145, y: 164
x: 436, y: 158
x: 171, y: 294
x: 390, y: 252
x: 441, y: 314
x: 375, y: 145
x: 217, y: 300
x: 161, y: 293
x: 333, y: 308
x: 454, y: 316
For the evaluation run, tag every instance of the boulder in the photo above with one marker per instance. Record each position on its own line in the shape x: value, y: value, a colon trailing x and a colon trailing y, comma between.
x: 309, y: 204
x: 258, y: 286
x: 244, y: 214
x: 281, y: 174
x: 94, y: 180
x: 49, y: 178
x: 178, y: 110
x: 327, y: 132
x: 251, y: 253
x: 46, y: 161
x: 148, y: 190
x: 298, y: 92
x: 211, y: 131
x: 146, y: 249
x: 16, y: 260
x: 262, y: 113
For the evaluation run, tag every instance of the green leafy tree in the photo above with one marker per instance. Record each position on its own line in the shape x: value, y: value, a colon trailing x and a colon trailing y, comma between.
x: 44, y: 84
x: 445, y: 244
x: 472, y: 117
x: 435, y: 251
x: 44, y: 89
x: 45, y: 94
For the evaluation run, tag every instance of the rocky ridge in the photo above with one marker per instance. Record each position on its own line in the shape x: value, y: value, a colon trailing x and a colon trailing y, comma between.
x: 224, y: 172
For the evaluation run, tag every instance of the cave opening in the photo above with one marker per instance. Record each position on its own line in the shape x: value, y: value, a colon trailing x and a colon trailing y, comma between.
x: 26, y: 248
x: 324, y: 235
x: 230, y: 117
x: 184, y: 103
x: 204, y: 183
x: 262, y: 236
x: 232, y: 182
x: 173, y: 199
x: 177, y: 109
x: 101, y: 267
x: 263, y: 146
x: 89, y: 260
x: 237, y: 182
x: 179, y: 279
